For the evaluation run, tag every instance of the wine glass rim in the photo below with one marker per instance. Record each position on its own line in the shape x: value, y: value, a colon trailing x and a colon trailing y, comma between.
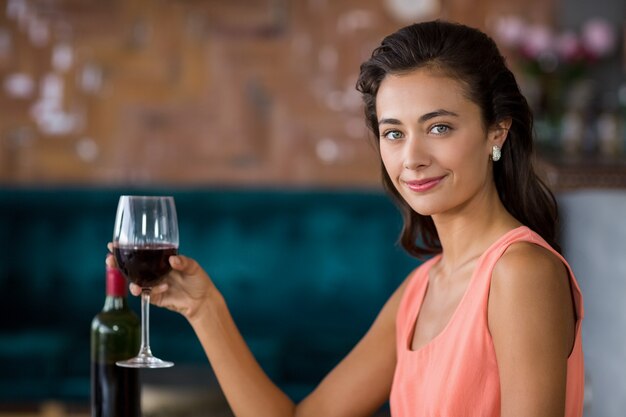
x: 145, y: 196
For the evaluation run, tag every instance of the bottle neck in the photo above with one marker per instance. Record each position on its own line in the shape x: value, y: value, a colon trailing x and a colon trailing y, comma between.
x: 114, y: 302
x: 116, y: 290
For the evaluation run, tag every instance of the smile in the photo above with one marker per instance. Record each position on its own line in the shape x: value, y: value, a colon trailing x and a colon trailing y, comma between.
x: 423, y: 185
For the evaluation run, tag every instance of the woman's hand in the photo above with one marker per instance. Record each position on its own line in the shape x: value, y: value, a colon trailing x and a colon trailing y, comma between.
x: 185, y: 289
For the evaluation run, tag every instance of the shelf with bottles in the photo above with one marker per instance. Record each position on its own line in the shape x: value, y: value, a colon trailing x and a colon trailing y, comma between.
x: 573, y: 78
x: 586, y: 146
x: 565, y: 172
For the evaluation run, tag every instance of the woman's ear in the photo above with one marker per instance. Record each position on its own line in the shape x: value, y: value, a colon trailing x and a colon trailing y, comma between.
x: 499, y: 132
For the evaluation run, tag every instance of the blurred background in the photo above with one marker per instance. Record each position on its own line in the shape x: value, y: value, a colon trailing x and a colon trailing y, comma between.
x: 246, y: 112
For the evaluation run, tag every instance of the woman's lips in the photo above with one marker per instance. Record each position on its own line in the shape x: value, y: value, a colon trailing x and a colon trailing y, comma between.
x: 423, y: 185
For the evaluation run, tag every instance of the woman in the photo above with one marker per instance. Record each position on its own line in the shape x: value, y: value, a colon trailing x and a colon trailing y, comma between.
x: 490, y: 325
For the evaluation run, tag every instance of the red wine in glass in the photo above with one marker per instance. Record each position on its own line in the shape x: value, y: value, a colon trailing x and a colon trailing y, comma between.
x: 144, y: 265
x: 145, y: 235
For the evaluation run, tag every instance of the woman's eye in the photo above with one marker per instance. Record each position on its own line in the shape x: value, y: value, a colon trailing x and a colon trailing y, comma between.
x: 440, y: 129
x: 392, y: 135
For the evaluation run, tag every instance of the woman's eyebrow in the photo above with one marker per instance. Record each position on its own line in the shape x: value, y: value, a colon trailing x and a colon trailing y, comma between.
x: 436, y: 113
x: 389, y: 121
x: 422, y: 119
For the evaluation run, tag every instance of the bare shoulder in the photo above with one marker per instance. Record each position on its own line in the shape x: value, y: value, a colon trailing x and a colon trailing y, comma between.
x: 531, y: 296
x: 525, y: 266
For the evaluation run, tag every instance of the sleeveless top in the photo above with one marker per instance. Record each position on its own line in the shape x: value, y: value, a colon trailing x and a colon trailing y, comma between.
x: 456, y: 373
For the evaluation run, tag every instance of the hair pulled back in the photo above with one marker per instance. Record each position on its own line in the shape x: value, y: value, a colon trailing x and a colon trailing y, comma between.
x: 472, y: 58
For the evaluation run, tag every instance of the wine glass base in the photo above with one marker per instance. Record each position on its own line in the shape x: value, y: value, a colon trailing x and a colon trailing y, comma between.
x: 144, y: 361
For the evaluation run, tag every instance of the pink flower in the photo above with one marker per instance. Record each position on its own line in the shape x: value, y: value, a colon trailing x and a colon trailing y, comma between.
x: 568, y: 46
x: 538, y: 41
x: 598, y: 37
x: 510, y: 30
x: 542, y: 49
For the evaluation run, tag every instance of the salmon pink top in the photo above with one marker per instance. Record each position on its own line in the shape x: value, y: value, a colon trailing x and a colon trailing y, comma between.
x: 456, y: 373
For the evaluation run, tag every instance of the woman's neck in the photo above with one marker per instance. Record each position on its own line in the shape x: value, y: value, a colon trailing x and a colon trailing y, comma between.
x: 465, y: 235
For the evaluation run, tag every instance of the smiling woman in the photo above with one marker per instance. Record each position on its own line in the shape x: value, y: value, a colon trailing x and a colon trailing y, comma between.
x: 480, y: 78
x: 432, y: 141
x: 491, y: 324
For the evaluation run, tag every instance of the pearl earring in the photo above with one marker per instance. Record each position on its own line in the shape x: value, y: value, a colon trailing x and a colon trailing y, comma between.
x: 495, y: 153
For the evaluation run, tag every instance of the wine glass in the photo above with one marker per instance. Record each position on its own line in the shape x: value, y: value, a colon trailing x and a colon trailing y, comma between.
x: 144, y: 237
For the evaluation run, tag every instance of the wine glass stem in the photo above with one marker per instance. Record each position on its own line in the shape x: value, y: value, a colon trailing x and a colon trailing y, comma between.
x: 145, y: 322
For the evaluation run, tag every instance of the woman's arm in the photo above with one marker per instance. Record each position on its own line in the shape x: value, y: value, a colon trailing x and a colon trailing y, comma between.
x: 532, y: 323
x: 357, y: 386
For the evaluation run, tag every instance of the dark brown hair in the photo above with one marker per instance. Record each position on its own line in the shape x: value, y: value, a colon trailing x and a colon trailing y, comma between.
x: 473, y: 58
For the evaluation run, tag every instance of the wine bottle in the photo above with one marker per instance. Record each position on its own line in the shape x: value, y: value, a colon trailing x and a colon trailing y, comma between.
x: 115, y: 335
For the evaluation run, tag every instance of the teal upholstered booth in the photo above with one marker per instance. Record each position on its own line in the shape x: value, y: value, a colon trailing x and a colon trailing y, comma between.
x: 303, y: 271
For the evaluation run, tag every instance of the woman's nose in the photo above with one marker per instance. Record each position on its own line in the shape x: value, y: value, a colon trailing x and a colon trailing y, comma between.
x: 415, y: 154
